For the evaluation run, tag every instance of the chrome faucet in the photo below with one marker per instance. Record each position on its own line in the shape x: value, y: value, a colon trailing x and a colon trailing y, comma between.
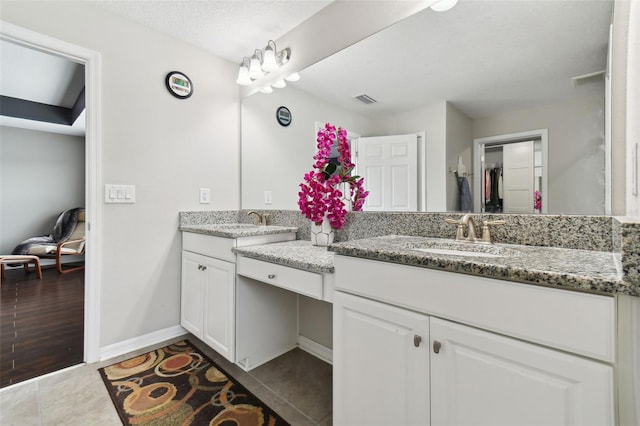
x: 471, y: 235
x: 467, y: 221
x: 260, y: 219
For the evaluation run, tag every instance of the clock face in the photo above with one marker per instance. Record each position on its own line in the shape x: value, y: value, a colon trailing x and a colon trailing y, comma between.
x: 179, y: 85
x: 283, y: 115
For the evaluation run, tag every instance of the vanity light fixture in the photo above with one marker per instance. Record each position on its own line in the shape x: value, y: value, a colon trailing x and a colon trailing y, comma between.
x: 267, y: 89
x: 280, y: 84
x: 443, y: 5
x: 263, y: 62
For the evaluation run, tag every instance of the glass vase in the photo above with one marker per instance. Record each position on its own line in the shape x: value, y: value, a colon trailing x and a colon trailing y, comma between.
x: 322, y: 235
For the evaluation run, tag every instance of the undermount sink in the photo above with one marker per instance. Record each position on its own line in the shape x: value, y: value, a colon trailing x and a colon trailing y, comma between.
x: 235, y: 225
x: 452, y: 252
x: 455, y: 248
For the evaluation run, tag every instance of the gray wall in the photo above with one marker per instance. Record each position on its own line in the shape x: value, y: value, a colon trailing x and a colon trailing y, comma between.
x: 459, y: 143
x: 41, y: 174
x: 576, y: 149
x: 167, y: 147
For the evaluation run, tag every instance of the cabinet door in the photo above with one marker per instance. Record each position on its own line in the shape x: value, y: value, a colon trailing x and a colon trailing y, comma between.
x: 219, y: 306
x: 380, y: 365
x: 481, y: 378
x: 192, y: 292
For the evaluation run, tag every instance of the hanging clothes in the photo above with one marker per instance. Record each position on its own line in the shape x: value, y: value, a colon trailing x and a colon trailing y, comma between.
x: 466, y: 202
x: 487, y: 186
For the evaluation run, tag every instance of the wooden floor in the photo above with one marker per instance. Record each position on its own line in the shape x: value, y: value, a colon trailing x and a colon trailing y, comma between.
x: 41, y: 323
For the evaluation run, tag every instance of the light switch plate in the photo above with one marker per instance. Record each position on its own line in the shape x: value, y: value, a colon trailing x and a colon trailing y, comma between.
x: 267, y: 197
x: 119, y: 194
x: 205, y: 195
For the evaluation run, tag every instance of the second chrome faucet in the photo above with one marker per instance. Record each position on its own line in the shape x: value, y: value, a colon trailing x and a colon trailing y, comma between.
x: 466, y: 230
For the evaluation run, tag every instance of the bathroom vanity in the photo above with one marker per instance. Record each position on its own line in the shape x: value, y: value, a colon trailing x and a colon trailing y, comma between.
x: 433, y: 331
x: 482, y: 345
x: 208, y: 289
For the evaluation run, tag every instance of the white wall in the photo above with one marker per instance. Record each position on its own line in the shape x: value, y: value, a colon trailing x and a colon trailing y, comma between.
x: 576, y: 149
x: 41, y: 174
x: 276, y: 158
x: 459, y: 143
x: 633, y: 111
x: 432, y: 120
x: 166, y: 147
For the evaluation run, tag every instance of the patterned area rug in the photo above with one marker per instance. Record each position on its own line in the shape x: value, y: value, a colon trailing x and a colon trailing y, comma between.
x: 178, y: 385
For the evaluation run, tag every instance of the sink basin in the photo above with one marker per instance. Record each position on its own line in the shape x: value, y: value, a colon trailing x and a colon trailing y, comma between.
x: 457, y: 248
x: 235, y: 225
x: 453, y: 252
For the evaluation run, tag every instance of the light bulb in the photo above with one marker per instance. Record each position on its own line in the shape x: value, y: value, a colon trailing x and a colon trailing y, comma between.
x: 269, y: 64
x: 443, y: 5
x: 267, y: 89
x: 243, y: 76
x: 293, y: 77
x: 280, y: 84
x: 255, y: 71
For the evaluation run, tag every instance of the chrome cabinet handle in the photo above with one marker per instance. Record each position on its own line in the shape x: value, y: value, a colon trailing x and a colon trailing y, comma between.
x: 436, y: 346
x: 271, y: 276
x: 416, y: 340
x: 202, y: 268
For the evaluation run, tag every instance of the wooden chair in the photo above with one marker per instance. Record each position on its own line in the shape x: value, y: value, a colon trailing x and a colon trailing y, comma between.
x: 74, y: 245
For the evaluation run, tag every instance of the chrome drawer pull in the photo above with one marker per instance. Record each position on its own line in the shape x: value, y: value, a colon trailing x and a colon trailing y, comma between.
x: 271, y: 276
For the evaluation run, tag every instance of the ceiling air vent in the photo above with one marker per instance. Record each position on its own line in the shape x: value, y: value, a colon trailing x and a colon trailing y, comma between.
x: 365, y: 99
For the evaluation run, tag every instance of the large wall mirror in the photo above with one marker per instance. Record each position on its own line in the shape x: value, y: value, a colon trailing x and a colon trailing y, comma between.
x: 460, y: 81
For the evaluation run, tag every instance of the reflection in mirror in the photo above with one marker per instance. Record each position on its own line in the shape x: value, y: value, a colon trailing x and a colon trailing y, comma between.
x: 482, y: 70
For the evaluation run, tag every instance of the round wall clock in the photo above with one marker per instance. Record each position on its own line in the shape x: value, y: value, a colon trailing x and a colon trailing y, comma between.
x: 283, y: 115
x: 179, y: 85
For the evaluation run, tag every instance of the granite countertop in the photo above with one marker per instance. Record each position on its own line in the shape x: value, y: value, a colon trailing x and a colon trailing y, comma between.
x: 593, y: 271
x: 237, y: 230
x: 297, y: 254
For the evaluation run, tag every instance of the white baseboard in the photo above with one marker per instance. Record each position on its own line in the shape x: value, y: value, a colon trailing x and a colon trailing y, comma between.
x: 315, y: 348
x: 140, y: 342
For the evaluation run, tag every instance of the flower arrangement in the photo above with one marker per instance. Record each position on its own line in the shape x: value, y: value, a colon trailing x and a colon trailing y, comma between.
x: 537, y: 201
x: 319, y: 194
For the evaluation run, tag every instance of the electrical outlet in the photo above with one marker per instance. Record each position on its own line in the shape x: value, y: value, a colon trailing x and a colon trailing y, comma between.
x: 205, y: 195
x: 267, y: 197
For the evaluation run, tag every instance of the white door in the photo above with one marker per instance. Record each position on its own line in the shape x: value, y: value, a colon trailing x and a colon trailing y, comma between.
x: 192, y: 291
x: 389, y: 165
x: 380, y: 365
x: 219, y: 306
x: 481, y: 378
x: 518, y: 177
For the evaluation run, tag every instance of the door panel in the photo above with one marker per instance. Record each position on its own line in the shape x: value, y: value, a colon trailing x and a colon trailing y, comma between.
x: 389, y: 165
x: 518, y: 177
x: 479, y: 377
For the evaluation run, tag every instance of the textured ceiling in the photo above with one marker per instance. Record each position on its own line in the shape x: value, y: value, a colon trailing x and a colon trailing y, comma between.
x: 230, y: 29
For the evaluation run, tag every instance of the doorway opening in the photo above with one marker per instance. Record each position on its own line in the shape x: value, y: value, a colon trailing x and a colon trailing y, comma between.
x: 511, y: 173
x: 91, y: 62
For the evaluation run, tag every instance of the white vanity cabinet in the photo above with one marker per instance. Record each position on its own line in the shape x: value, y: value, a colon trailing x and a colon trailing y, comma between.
x: 479, y: 377
x: 419, y: 346
x: 208, y: 287
x: 380, y: 363
x: 207, y: 301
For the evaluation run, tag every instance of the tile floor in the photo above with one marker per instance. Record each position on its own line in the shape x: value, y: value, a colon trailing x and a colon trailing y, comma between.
x: 298, y: 386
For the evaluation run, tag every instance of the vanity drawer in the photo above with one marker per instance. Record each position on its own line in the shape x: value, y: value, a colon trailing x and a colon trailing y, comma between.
x: 296, y: 280
x: 209, y: 245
